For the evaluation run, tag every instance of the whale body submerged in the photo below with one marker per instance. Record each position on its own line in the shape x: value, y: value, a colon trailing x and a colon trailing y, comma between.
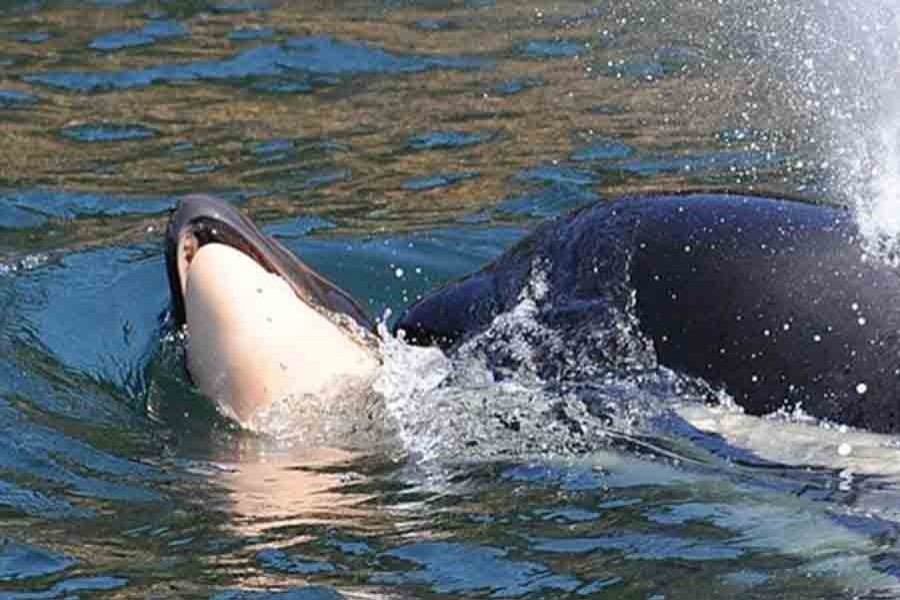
x: 776, y: 302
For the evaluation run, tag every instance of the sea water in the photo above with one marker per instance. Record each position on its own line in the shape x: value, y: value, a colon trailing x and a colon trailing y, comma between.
x: 394, y: 146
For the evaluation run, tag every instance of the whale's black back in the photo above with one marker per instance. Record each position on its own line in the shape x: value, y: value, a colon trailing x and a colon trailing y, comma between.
x: 775, y: 301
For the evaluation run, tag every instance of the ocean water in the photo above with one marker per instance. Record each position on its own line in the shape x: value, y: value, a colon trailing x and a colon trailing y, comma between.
x: 395, y: 145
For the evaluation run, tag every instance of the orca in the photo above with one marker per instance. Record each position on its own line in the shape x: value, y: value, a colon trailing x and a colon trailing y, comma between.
x: 262, y: 326
x: 779, y: 303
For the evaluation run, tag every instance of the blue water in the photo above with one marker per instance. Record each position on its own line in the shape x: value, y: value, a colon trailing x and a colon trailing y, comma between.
x: 393, y: 146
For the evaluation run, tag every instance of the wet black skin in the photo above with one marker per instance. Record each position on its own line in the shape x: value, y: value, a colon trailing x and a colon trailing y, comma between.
x: 772, y: 300
x: 200, y: 220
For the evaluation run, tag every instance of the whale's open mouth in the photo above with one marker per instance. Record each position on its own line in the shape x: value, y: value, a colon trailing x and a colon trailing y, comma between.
x: 265, y: 330
x: 201, y: 220
x: 203, y: 231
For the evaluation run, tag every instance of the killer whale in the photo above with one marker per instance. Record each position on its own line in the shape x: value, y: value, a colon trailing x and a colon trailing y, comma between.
x: 201, y: 219
x: 263, y: 327
x: 777, y: 302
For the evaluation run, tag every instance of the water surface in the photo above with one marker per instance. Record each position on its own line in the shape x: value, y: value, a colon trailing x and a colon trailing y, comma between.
x: 396, y: 145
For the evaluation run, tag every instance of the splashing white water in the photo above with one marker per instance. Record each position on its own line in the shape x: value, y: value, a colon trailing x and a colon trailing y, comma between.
x: 489, y: 400
x: 447, y: 409
x: 460, y: 407
x: 832, y: 80
x: 848, y: 63
x: 883, y: 215
x: 878, y: 208
x: 27, y: 263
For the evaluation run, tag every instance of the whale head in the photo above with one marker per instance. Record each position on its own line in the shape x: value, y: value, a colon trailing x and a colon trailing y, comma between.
x: 263, y: 327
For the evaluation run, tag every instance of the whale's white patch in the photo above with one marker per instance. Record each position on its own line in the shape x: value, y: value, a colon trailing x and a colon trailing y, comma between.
x: 838, y: 448
x: 252, y: 342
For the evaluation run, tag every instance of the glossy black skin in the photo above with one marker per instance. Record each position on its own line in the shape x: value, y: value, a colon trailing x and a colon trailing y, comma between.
x: 207, y: 220
x: 773, y: 300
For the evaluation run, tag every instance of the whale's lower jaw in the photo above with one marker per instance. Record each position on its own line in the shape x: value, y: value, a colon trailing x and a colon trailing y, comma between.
x: 252, y: 342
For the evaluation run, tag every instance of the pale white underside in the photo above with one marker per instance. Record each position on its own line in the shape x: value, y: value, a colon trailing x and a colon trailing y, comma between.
x: 252, y: 342
x: 857, y: 452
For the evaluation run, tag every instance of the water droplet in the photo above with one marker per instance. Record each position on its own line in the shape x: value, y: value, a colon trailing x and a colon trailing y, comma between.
x: 861, y: 388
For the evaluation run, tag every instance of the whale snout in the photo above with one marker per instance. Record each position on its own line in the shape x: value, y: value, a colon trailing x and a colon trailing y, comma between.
x: 252, y: 343
x: 262, y: 325
x: 199, y: 220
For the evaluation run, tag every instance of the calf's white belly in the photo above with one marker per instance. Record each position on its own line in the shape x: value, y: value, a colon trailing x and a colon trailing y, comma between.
x: 252, y: 342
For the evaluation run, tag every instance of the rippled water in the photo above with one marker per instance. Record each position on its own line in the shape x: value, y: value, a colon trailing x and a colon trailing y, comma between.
x: 395, y: 145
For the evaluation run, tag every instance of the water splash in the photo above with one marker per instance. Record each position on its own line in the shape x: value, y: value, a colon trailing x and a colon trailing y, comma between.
x: 878, y: 209
x: 462, y: 407
x: 837, y: 71
x: 349, y: 416
x: 493, y: 397
x: 872, y: 142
